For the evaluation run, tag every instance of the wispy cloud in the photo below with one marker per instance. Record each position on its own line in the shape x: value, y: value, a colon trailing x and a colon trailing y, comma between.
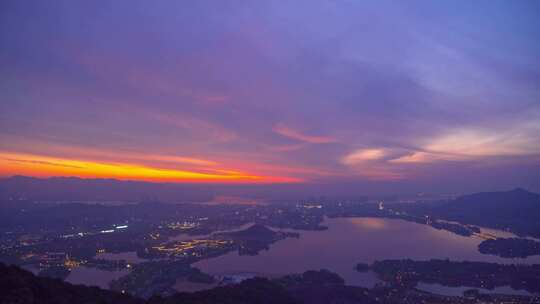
x: 40, y: 162
x: 478, y: 143
x: 362, y: 155
x: 179, y: 159
x: 425, y: 157
x: 467, y: 144
x: 298, y: 135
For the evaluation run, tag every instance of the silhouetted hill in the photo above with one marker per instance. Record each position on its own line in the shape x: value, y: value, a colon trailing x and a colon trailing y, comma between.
x: 19, y: 286
x: 257, y: 290
x: 257, y: 232
x: 517, y: 210
x: 256, y: 238
x: 22, y: 287
x: 518, y: 202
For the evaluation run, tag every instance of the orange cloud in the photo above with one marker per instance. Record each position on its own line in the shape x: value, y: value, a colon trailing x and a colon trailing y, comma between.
x: 119, y: 155
x: 369, y: 164
x: 294, y: 134
x: 44, y: 166
x: 180, y: 159
x: 362, y: 155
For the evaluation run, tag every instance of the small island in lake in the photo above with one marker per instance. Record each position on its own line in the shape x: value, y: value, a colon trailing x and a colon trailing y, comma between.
x: 510, y: 247
x: 255, y: 238
x: 451, y: 273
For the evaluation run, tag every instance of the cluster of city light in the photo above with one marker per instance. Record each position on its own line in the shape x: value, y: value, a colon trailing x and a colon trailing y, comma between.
x: 183, y: 226
x: 311, y: 206
x: 81, y: 234
x: 183, y: 246
x: 120, y: 227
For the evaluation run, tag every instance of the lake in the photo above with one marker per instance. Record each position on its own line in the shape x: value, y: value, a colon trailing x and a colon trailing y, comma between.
x: 349, y: 241
x: 94, y: 277
x: 130, y: 257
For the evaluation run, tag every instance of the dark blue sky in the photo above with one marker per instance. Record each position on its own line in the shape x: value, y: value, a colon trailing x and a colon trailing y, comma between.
x: 414, y: 94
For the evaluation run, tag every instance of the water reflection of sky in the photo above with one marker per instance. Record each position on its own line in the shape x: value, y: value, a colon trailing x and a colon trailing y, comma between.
x: 368, y: 223
x: 94, y: 277
x: 130, y: 257
x: 347, y: 242
x: 352, y: 240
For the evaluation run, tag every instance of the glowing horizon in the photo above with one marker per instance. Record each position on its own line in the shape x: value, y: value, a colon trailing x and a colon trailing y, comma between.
x: 44, y: 166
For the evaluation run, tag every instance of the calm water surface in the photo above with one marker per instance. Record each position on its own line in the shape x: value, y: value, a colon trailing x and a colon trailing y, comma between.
x: 130, y: 257
x: 352, y: 240
x: 347, y: 242
x: 94, y: 277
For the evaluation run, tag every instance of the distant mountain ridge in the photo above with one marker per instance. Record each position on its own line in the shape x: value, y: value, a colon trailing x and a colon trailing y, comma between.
x: 106, y: 189
x: 82, y: 189
x: 516, y: 210
x: 518, y: 197
x: 502, y: 203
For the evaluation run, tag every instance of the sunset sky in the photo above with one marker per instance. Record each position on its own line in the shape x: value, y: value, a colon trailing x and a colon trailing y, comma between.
x: 407, y: 93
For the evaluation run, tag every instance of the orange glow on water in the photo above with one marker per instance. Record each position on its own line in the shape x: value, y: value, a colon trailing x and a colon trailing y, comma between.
x: 45, y: 166
x: 368, y: 223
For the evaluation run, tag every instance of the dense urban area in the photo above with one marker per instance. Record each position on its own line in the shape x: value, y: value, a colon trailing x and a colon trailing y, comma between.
x: 54, y: 238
